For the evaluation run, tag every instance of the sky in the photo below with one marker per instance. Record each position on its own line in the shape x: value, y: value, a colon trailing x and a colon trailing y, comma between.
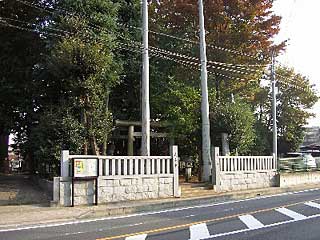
x: 300, y: 25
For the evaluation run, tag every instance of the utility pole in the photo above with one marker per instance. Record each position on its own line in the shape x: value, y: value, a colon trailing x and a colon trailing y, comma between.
x: 206, y: 156
x: 274, y: 107
x: 145, y: 105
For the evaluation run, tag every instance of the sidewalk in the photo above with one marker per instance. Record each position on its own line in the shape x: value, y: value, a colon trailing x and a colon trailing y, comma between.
x: 26, y: 215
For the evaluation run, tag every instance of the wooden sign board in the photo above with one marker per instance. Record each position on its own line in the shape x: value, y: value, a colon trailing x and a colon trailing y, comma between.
x: 85, y: 167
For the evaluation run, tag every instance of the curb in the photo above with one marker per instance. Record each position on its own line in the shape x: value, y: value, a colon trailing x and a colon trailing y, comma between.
x: 140, y: 207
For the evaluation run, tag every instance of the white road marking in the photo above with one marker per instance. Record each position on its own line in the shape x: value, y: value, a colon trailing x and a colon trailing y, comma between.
x: 137, y: 237
x: 74, y: 233
x: 313, y: 204
x: 265, y: 226
x: 251, y: 222
x: 21, y: 228
x: 290, y: 213
x: 199, y: 231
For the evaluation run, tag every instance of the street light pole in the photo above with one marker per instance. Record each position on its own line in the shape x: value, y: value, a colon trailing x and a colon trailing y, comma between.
x: 206, y: 156
x: 145, y: 105
x: 274, y: 108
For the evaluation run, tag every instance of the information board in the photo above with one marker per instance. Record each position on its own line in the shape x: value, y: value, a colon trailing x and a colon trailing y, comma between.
x: 85, y: 167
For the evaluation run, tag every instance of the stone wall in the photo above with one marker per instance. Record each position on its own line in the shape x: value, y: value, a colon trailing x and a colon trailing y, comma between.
x: 134, y: 188
x: 298, y: 178
x: 233, y: 181
x: 115, y: 189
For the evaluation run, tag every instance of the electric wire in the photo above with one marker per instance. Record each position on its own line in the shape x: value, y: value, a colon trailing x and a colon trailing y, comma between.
x: 51, y: 11
x: 159, y: 54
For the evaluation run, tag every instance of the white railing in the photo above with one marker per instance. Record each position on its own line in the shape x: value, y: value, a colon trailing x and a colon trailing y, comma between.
x: 225, y: 166
x: 131, y: 165
x: 123, y: 166
x: 246, y: 163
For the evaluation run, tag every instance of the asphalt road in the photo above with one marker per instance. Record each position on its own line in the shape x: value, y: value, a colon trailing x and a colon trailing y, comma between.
x: 284, y: 216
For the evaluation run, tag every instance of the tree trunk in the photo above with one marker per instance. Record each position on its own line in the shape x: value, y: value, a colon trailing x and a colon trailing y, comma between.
x: 84, y: 122
x: 217, y: 86
x: 92, y: 139
x: 4, y: 143
x: 105, y: 140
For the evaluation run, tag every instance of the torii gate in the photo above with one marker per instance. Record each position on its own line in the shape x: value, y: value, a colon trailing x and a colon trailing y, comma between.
x: 132, y: 134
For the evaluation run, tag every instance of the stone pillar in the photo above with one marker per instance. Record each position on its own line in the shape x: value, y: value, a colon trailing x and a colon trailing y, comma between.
x: 215, y: 169
x: 56, y: 190
x: 175, y: 162
x: 64, y: 164
x: 130, y: 140
x: 225, y: 144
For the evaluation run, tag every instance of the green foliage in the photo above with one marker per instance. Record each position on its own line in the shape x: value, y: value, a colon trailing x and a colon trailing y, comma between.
x: 19, y: 52
x: 63, y: 92
x: 263, y: 140
x: 57, y: 130
x: 236, y: 119
x: 295, y: 97
x: 83, y: 70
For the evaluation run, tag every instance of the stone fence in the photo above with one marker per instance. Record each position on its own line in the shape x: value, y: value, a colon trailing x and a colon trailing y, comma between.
x: 119, y: 178
x: 243, y: 172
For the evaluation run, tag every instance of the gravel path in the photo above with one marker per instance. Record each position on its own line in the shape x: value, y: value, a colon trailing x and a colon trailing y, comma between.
x: 19, y: 189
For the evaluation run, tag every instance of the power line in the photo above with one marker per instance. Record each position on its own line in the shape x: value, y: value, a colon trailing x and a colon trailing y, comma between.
x: 137, y: 48
x: 34, y: 25
x: 51, y: 11
x: 222, y: 66
x: 28, y: 29
x: 209, y: 45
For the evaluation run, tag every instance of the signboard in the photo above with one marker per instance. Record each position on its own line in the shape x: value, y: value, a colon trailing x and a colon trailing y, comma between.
x: 85, y: 167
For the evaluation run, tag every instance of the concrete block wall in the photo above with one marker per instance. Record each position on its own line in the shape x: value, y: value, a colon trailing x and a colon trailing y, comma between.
x: 116, y: 189
x: 298, y: 178
x: 234, y: 181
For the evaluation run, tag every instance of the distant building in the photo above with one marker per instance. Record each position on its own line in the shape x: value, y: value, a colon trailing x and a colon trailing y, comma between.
x: 14, y: 160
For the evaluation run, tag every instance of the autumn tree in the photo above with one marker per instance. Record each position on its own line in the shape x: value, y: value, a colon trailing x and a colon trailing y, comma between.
x: 246, y: 27
x: 239, y: 40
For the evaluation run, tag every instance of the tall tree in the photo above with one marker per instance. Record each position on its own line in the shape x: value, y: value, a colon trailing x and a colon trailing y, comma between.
x: 245, y: 26
x: 239, y: 35
x: 82, y: 68
x: 19, y: 52
x: 296, y: 96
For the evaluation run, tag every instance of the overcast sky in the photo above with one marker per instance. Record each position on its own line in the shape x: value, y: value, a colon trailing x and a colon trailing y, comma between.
x: 300, y: 24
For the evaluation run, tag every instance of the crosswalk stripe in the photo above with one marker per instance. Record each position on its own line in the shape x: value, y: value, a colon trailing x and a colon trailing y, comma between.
x: 137, y: 237
x: 313, y: 204
x: 199, y: 231
x: 251, y: 222
x: 290, y: 213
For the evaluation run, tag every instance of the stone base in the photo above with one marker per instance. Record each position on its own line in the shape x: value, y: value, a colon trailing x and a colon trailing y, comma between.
x: 116, y: 189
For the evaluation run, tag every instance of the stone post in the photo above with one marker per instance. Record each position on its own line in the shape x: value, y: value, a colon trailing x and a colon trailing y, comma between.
x: 225, y: 144
x: 175, y: 162
x: 64, y: 164
x: 130, y: 140
x: 215, y: 169
x: 56, y: 190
